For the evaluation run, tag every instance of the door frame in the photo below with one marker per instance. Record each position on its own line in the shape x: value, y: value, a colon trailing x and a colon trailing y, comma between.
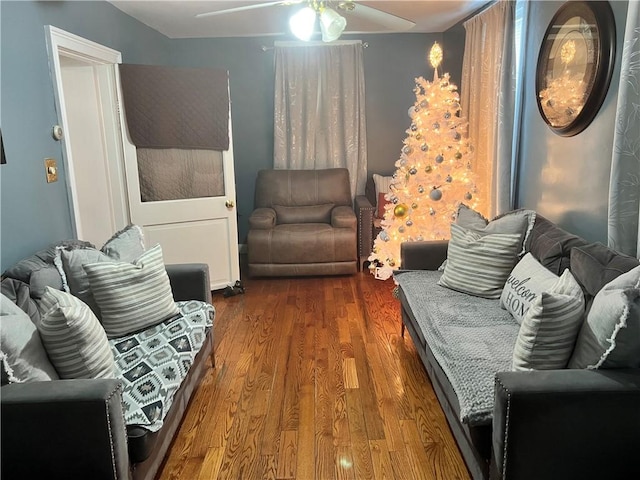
x: 65, y: 44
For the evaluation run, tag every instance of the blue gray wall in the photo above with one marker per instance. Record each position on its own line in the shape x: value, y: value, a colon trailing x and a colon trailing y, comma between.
x: 34, y: 213
x: 566, y: 179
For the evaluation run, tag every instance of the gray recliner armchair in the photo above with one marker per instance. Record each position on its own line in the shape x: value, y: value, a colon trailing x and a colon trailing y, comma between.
x: 303, y: 224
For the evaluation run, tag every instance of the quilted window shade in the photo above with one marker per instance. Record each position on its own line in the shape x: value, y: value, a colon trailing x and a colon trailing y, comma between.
x: 169, y: 107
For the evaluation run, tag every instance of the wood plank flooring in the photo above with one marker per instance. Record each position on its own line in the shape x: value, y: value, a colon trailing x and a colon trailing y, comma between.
x: 313, y: 382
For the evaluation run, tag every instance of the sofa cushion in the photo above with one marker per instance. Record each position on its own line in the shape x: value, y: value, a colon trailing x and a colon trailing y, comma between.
x: 153, y: 363
x: 595, y: 265
x: 73, y: 337
x: 24, y: 358
x: 38, y: 270
x: 610, y: 336
x: 525, y: 283
x: 479, y: 263
x: 132, y: 296
x: 550, y: 327
x: 482, y: 332
x: 516, y: 221
x: 303, y: 214
x: 551, y: 245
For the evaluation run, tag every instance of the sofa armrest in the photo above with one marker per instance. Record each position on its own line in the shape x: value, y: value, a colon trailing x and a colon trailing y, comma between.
x: 561, y: 424
x: 425, y: 255
x: 262, y: 219
x: 190, y: 281
x: 64, y: 429
x: 343, y: 217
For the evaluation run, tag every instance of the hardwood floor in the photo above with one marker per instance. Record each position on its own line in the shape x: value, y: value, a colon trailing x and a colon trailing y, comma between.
x: 313, y: 381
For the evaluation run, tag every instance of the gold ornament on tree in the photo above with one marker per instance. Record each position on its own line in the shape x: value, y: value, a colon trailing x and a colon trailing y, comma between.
x: 400, y: 210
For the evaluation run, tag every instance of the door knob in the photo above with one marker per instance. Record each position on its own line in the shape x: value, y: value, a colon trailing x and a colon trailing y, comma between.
x: 229, y: 204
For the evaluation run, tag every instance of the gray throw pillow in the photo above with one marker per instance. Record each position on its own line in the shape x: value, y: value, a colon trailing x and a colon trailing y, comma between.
x: 516, y: 221
x: 610, y: 336
x: 74, y: 339
x: 23, y: 356
x: 550, y: 327
x: 479, y: 264
x: 125, y: 245
x: 132, y: 296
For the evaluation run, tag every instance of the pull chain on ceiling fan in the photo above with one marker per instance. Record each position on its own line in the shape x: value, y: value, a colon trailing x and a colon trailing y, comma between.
x: 332, y: 24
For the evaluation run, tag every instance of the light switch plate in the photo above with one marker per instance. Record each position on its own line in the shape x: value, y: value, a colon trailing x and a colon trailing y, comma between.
x: 51, y: 168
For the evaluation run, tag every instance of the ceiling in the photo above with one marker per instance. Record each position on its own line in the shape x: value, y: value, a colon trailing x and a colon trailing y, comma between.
x: 177, y: 19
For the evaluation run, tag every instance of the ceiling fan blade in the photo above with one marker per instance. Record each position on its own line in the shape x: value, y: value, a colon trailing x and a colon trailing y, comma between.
x: 246, y: 7
x: 392, y: 22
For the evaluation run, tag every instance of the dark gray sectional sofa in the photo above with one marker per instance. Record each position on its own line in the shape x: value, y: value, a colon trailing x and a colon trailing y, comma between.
x: 76, y: 429
x: 545, y: 424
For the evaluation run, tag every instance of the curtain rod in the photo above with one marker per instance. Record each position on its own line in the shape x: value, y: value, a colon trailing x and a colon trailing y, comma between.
x: 265, y: 48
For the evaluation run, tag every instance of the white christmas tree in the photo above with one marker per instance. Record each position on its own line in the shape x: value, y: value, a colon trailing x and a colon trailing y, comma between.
x: 434, y: 173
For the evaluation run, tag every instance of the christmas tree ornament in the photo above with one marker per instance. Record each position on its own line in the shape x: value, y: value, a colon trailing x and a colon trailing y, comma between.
x: 435, y: 194
x: 468, y: 196
x: 428, y: 169
x: 424, y: 147
x: 400, y: 210
x: 436, y: 126
x: 424, y: 104
x: 409, y: 223
x: 384, y: 236
x: 449, y: 179
x: 447, y: 115
x: 401, y: 229
x: 413, y: 170
x: 439, y: 159
x: 432, y: 212
x: 406, y: 149
x: 414, y: 127
x: 418, y: 136
x: 420, y: 189
x: 458, y: 155
x: 414, y: 206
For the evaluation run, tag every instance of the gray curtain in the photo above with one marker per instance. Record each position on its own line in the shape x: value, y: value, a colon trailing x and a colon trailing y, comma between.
x: 624, y: 188
x: 320, y: 109
x: 487, y: 97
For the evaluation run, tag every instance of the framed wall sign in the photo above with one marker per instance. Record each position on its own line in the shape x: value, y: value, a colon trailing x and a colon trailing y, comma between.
x: 575, y: 65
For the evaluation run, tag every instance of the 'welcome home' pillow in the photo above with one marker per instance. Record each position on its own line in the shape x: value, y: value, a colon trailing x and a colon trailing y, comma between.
x: 525, y: 283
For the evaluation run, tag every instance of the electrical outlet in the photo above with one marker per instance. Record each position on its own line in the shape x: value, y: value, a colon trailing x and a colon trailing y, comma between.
x: 51, y: 168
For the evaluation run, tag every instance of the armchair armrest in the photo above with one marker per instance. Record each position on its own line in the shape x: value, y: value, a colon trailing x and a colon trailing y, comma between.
x: 64, y: 429
x: 190, y: 281
x: 425, y: 255
x: 561, y: 424
x: 343, y: 217
x: 364, y: 213
x: 262, y: 218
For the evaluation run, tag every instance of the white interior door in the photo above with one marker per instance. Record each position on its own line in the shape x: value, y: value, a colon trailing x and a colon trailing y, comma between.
x: 84, y: 80
x: 185, y: 201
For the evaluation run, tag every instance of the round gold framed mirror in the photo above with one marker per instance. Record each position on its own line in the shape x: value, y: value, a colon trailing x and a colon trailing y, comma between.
x: 575, y: 65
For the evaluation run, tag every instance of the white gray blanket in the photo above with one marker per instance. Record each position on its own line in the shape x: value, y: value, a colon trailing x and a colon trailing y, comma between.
x: 472, y: 339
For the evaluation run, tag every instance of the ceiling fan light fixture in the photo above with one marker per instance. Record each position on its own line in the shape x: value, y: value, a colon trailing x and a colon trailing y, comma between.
x: 332, y: 24
x: 302, y: 23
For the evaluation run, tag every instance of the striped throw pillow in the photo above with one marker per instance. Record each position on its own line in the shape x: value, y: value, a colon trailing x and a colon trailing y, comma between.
x: 550, y: 327
x: 383, y: 185
x: 479, y: 264
x: 74, y: 340
x: 132, y: 296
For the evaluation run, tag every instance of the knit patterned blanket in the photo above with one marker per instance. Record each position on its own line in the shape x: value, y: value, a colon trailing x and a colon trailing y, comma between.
x: 472, y: 339
x: 153, y: 363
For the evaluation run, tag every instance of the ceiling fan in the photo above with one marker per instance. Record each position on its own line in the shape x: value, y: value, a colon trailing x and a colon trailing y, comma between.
x: 332, y: 24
